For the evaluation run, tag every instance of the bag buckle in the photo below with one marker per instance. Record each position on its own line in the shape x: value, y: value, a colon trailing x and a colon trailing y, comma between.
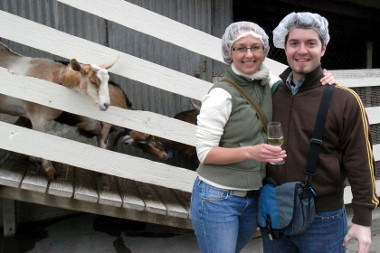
x: 315, y: 141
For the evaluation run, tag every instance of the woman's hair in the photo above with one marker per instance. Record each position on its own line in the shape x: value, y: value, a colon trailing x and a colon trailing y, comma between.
x: 238, y: 30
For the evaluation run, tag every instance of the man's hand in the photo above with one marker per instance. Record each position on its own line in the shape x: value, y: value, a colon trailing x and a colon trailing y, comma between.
x: 360, y: 233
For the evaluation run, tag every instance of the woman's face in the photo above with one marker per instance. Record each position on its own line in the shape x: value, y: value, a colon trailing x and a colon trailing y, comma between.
x: 248, y: 61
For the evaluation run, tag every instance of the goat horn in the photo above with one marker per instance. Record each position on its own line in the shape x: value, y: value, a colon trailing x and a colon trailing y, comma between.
x: 110, y: 64
x: 197, y: 107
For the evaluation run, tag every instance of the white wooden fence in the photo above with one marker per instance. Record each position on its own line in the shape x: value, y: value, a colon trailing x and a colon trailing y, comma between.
x: 58, y: 149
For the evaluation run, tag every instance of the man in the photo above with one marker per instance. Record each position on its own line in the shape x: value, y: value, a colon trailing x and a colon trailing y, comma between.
x: 346, y: 151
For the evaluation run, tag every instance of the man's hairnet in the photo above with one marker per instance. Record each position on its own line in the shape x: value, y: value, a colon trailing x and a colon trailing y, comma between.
x: 238, y: 30
x: 300, y: 20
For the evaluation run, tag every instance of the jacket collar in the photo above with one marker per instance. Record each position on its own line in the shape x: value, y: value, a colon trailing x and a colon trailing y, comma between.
x: 312, y: 79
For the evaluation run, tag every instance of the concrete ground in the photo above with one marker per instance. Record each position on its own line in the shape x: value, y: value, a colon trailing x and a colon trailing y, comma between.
x: 92, y: 233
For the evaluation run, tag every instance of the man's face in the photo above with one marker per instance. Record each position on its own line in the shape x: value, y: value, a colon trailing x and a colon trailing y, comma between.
x: 304, y: 50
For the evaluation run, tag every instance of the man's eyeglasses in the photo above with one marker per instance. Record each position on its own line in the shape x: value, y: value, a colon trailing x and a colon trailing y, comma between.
x: 244, y: 50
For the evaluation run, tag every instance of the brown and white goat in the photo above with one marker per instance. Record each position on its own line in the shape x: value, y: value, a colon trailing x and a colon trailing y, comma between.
x: 88, y: 79
x: 102, y: 130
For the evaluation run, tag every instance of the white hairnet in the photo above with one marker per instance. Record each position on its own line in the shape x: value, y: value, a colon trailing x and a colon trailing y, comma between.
x: 300, y: 20
x: 238, y: 30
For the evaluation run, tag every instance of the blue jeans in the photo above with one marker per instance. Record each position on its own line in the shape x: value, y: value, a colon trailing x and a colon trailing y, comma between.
x: 325, y: 235
x: 222, y: 223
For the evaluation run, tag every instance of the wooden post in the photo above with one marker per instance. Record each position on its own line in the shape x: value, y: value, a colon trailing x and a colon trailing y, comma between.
x: 9, y: 217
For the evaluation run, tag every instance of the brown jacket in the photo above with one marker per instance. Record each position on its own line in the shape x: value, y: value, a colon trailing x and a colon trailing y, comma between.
x: 346, y: 151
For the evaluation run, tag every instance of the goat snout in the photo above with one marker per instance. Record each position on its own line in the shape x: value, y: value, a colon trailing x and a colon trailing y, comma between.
x: 104, y: 106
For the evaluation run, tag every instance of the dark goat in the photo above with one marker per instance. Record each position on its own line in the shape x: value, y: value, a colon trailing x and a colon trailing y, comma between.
x: 179, y: 154
x: 186, y: 154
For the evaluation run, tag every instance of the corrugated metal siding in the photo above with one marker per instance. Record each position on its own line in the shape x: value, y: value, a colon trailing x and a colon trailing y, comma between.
x: 195, y: 13
x: 211, y: 16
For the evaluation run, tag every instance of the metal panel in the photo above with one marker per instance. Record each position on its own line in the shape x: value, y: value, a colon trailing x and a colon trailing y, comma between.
x: 195, y: 13
x: 57, y: 16
x: 210, y: 16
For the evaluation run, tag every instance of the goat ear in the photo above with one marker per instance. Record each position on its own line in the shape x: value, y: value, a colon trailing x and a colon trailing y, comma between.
x: 110, y: 64
x: 75, y: 65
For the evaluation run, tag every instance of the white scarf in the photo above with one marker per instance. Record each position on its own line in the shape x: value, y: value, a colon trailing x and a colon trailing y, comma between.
x: 261, y: 74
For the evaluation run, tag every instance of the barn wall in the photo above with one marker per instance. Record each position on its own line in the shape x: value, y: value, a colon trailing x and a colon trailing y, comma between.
x: 210, y: 16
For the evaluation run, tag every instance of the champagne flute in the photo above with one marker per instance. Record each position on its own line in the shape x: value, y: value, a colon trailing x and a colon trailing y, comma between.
x: 275, y: 136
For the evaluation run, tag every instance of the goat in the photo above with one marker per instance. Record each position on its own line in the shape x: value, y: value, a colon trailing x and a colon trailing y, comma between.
x: 182, y: 155
x: 186, y: 155
x: 102, y: 130
x: 148, y: 143
x: 88, y: 79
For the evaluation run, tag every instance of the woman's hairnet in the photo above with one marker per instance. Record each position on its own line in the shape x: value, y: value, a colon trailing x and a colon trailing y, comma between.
x: 238, y: 30
x: 300, y: 20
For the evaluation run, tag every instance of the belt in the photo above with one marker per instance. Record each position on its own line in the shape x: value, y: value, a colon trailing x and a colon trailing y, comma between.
x: 243, y: 194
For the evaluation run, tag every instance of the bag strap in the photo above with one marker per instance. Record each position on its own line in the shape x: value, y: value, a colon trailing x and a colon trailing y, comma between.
x: 253, y: 102
x: 274, y: 87
x: 316, y: 140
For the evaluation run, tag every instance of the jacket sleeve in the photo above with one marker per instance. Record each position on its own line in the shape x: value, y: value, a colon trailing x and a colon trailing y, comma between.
x: 357, y: 158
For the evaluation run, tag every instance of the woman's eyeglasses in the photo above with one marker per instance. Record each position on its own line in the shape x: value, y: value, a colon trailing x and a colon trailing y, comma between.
x: 244, y: 50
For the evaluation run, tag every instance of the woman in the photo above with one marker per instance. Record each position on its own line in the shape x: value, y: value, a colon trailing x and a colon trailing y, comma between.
x: 231, y: 145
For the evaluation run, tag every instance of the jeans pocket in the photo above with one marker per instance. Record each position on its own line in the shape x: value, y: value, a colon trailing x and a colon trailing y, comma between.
x: 331, y: 215
x: 213, y: 194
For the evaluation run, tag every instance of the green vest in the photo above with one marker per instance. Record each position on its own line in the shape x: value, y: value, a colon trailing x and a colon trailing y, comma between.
x: 243, y: 128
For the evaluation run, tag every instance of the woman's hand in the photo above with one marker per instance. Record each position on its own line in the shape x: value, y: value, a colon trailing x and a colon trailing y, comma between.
x: 267, y: 153
x: 328, y: 78
x: 261, y: 152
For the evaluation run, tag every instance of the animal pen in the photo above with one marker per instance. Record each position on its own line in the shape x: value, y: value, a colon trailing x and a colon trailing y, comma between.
x: 96, y: 180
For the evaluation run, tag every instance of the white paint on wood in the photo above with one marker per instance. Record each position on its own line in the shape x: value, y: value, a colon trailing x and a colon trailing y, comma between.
x: 130, y: 194
x: 152, y: 202
x: 63, y: 183
x: 348, y: 193
x: 27, y: 141
x: 376, y: 152
x: 373, y: 114
x: 108, y: 192
x: 83, y: 206
x: 85, y: 186
x: 10, y: 173
x: 50, y: 40
x: 161, y: 27
x: 153, y: 24
x: 358, y: 81
x: 35, y: 179
x: 169, y: 199
x: 56, y: 96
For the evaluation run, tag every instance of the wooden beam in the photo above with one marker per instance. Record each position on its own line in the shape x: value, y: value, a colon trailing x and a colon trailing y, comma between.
x: 47, y: 39
x: 158, y: 26
x: 56, y: 96
x: 95, y: 208
x: 33, y: 143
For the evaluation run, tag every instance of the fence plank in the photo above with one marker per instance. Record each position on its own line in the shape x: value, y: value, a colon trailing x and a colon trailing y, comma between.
x: 56, y: 96
x: 50, y: 40
x: 373, y: 115
x: 63, y: 184
x: 30, y: 142
x: 160, y: 27
x: 376, y: 152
